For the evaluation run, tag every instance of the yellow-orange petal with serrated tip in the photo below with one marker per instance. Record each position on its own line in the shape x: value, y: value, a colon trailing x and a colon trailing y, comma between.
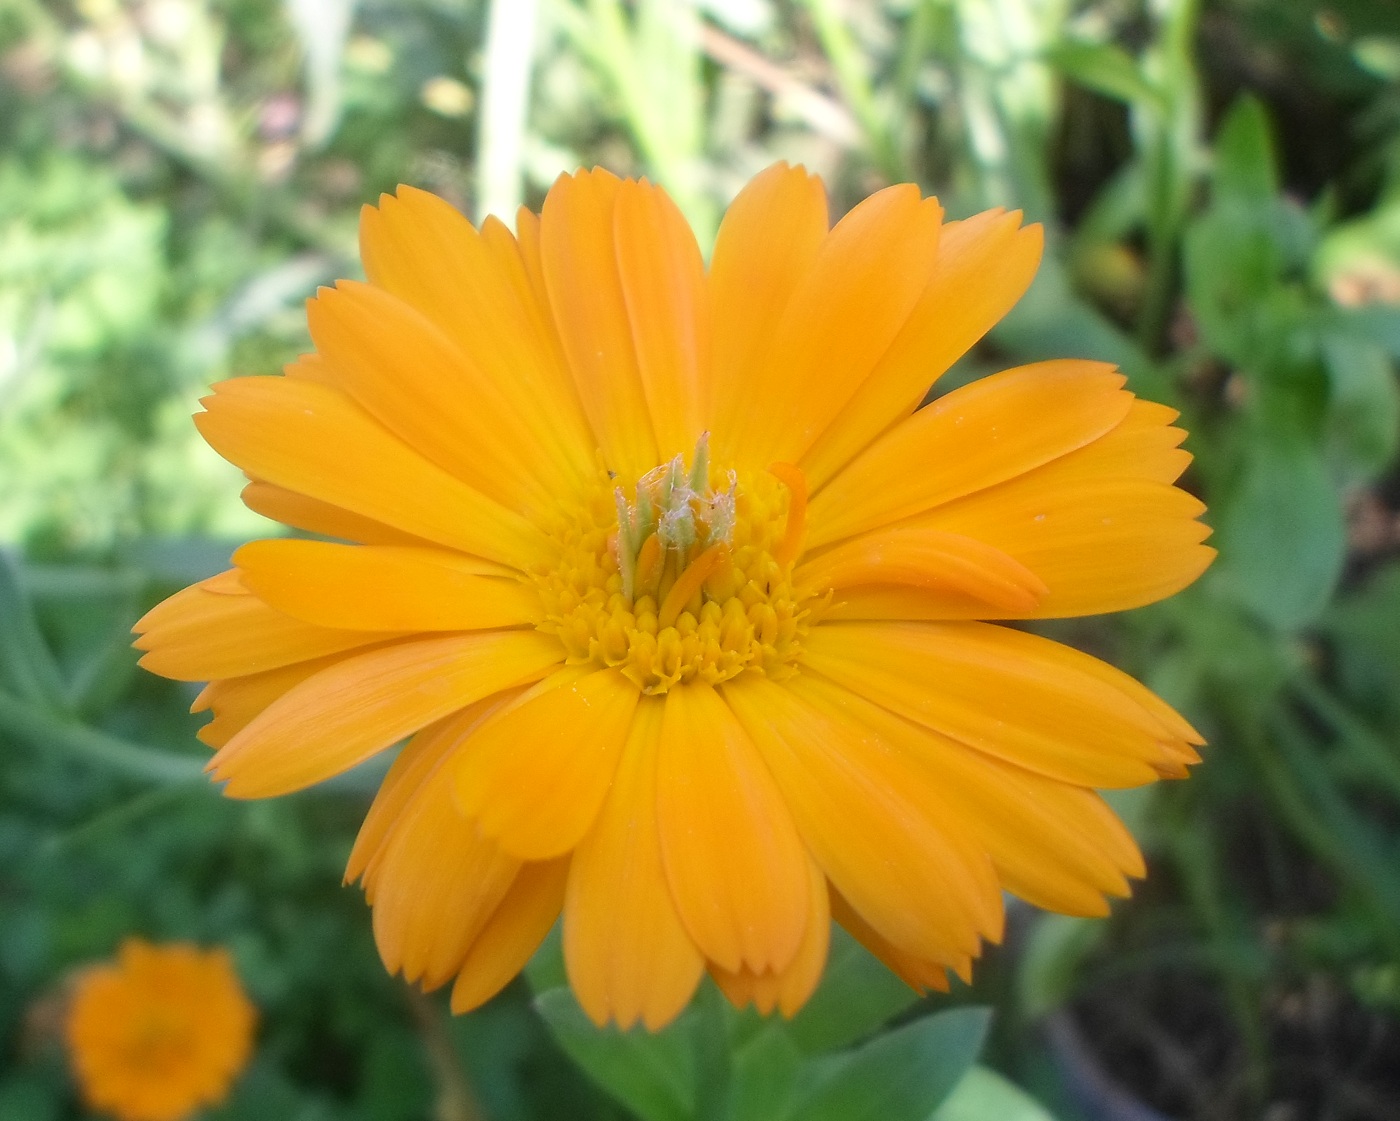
x: 384, y: 587
x: 198, y: 635
x: 768, y: 243
x: 1065, y: 722
x: 926, y: 888
x: 628, y: 956
x: 314, y: 516
x: 852, y: 302
x: 983, y: 266
x: 986, y: 432
x: 437, y: 884
x: 512, y: 934
x: 663, y: 286
x: 314, y: 440
x: 737, y: 870
x: 474, y: 287
x: 787, y: 989
x: 533, y: 777
x: 362, y: 704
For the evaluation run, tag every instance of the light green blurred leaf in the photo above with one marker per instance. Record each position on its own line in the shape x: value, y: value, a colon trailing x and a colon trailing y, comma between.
x: 1048, y: 968
x: 1282, y: 536
x: 1363, y: 408
x: 763, y: 1074
x: 984, y: 1095
x: 1244, y: 174
x: 652, y: 1073
x: 27, y: 666
x: 1105, y: 68
x: 901, y: 1075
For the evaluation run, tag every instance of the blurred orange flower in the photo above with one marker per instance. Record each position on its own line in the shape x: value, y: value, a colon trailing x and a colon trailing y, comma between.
x: 160, y: 1032
x: 682, y: 597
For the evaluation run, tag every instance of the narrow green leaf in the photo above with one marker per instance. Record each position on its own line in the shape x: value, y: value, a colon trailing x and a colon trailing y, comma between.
x: 651, y: 1073
x: 1104, y: 68
x: 1245, y: 161
x: 27, y: 667
x: 902, y: 1075
x: 50, y: 731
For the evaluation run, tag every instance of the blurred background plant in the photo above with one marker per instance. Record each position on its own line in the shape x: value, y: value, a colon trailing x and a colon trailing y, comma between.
x: 1220, y: 182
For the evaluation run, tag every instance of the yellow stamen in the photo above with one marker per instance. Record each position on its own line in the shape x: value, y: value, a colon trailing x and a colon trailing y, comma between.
x: 689, y: 583
x: 791, y: 476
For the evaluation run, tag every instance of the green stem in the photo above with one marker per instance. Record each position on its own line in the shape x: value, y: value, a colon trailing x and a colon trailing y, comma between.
x: 135, y: 760
x: 1196, y: 850
x: 1378, y: 756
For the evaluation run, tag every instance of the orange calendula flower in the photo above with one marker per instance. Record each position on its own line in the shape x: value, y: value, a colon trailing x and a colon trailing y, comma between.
x: 159, y: 1033
x: 681, y: 596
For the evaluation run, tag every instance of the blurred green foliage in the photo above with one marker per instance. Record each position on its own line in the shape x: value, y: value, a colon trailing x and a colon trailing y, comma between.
x: 1220, y: 182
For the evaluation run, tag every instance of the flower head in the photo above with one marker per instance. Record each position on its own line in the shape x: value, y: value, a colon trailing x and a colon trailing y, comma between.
x: 159, y: 1033
x: 682, y: 598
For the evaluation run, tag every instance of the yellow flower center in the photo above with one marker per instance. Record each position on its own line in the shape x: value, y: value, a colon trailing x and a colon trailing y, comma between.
x: 684, y: 575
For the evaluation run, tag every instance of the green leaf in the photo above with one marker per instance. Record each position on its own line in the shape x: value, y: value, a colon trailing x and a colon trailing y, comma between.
x: 1283, y: 538
x: 1049, y: 967
x: 984, y: 1095
x: 652, y: 1073
x: 1244, y: 157
x: 902, y: 1075
x: 857, y: 995
x: 763, y: 1075
x: 1104, y: 68
x: 27, y: 667
x: 1363, y: 415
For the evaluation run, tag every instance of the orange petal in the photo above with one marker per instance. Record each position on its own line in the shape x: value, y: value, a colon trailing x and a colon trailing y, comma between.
x: 975, y: 437
x: 789, y: 989
x: 419, y: 759
x: 663, y: 282
x: 512, y: 934
x: 365, y: 702
x: 412, y: 378
x: 1017, y: 696
x: 930, y: 559
x: 766, y: 246
x: 437, y: 885
x: 311, y: 439
x: 851, y: 303
x: 580, y: 268
x: 737, y: 870
x: 313, y: 516
x: 870, y: 819
x: 474, y: 288
x: 237, y: 700
x: 920, y: 975
x: 200, y: 635
x: 983, y: 266
x: 1104, y: 546
x: 628, y: 955
x: 534, y: 777
x: 388, y: 588
x: 1055, y: 845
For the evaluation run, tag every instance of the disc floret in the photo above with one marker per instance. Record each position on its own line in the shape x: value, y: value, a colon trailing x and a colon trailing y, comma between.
x: 687, y: 577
